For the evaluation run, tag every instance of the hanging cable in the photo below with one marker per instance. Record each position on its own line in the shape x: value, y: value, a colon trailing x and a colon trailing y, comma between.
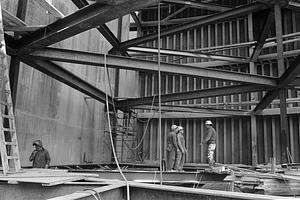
x: 159, y: 94
x: 110, y: 132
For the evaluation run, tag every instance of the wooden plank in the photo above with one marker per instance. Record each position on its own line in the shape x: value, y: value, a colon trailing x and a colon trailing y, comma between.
x: 240, y: 141
x: 274, y: 145
x: 195, y: 140
x: 266, y: 143
x: 233, y: 153
x: 254, y: 157
x: 202, y: 155
x: 226, y: 146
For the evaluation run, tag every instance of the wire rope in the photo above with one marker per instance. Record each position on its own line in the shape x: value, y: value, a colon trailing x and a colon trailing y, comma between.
x: 159, y: 93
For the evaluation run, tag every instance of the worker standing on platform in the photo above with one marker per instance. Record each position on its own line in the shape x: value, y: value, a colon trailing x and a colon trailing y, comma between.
x: 181, y: 154
x: 172, y: 148
x: 210, y: 140
x: 40, y: 156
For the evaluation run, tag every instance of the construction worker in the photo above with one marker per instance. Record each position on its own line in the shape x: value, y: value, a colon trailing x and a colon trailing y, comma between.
x: 172, y: 148
x: 210, y: 140
x: 181, y: 154
x: 40, y: 157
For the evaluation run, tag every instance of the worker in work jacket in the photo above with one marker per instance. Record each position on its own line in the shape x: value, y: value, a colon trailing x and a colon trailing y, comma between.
x: 210, y: 140
x: 181, y: 154
x: 172, y: 148
x: 40, y: 156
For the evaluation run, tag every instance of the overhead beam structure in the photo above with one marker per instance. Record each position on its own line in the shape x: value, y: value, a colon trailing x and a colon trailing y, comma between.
x: 86, y: 18
x: 103, y: 29
x: 196, y: 94
x: 235, y: 12
x: 94, y: 59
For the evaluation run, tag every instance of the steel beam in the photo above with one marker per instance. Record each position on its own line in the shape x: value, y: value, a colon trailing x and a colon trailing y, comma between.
x: 94, y: 59
x: 193, y: 109
x: 143, y: 24
x: 235, y: 12
x: 206, y: 6
x: 57, y: 72
x: 103, y: 29
x: 211, y: 92
x: 235, y: 59
x: 288, y: 77
x: 263, y: 36
x: 86, y: 18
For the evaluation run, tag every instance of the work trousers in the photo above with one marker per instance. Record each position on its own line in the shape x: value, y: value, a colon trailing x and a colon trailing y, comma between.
x: 180, y: 159
x: 210, y: 154
x: 171, y: 155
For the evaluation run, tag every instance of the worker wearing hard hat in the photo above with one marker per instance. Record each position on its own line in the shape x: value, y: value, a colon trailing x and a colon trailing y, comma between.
x: 172, y: 148
x: 181, y: 154
x: 210, y: 140
x: 40, y: 157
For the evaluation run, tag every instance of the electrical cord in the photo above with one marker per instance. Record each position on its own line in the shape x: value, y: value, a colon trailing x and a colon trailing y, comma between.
x: 110, y: 132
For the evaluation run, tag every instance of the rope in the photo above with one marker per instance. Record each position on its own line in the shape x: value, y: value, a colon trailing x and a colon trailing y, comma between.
x: 110, y: 132
x: 159, y: 94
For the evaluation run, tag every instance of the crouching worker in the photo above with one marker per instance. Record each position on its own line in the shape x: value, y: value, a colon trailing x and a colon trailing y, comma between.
x: 40, y: 157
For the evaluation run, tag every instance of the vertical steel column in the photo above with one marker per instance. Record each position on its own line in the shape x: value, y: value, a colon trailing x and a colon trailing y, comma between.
x: 282, y: 92
x: 253, y: 97
x: 15, y: 62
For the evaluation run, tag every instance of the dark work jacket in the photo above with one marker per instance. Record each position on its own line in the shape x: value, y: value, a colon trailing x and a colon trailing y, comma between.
x: 40, y: 158
x: 211, y: 136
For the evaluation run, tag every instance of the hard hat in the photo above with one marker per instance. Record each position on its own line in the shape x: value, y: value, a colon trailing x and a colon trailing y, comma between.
x: 38, y: 143
x: 208, y: 122
x: 173, y: 127
x: 180, y: 128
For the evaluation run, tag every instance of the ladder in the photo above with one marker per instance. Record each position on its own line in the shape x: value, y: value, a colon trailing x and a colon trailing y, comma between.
x: 9, y: 150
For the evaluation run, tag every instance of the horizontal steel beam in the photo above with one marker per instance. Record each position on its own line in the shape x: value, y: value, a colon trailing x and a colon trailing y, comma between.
x: 197, y: 94
x: 86, y: 18
x: 178, y: 115
x: 193, y: 109
x: 94, y: 59
x: 189, y: 54
x: 235, y: 12
x: 206, y: 6
x: 57, y: 72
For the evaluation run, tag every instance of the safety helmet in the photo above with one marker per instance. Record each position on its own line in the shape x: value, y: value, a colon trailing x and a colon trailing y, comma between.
x: 208, y: 122
x: 38, y: 143
x: 173, y: 127
x: 180, y: 128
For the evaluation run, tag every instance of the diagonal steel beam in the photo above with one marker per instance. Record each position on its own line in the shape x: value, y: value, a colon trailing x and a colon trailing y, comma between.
x: 263, y: 36
x: 94, y: 59
x: 57, y: 72
x: 190, y: 54
x: 86, y: 18
x: 103, y: 29
x: 235, y: 12
x: 212, y: 92
x: 287, y: 77
x: 207, y: 6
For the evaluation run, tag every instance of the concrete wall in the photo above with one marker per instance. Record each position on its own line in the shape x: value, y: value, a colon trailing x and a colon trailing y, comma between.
x: 70, y: 125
